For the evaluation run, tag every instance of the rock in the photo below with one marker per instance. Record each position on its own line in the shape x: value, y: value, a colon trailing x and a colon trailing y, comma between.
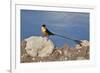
x: 23, y: 45
x: 39, y: 46
x: 56, y: 54
x: 83, y: 50
x: 66, y: 50
x: 26, y: 58
x: 81, y: 58
x: 40, y: 49
x: 84, y: 43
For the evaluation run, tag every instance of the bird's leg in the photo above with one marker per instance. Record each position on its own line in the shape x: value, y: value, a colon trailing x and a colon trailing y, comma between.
x: 43, y: 35
x: 47, y: 38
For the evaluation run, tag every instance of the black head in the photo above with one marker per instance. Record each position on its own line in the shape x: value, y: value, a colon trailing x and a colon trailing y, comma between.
x: 43, y: 25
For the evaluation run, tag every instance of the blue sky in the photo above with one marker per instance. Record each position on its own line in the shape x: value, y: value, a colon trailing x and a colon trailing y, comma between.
x: 69, y: 24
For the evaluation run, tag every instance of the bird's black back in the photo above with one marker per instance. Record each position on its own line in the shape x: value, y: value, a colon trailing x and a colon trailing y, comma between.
x: 49, y: 33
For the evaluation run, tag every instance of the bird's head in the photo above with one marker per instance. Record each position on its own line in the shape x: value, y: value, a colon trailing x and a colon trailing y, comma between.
x: 43, y: 25
x: 43, y: 28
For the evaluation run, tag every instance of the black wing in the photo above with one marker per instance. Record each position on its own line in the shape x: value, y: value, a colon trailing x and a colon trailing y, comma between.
x: 49, y: 33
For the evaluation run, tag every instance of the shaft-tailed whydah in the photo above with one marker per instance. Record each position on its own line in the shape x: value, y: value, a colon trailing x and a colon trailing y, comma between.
x: 47, y: 33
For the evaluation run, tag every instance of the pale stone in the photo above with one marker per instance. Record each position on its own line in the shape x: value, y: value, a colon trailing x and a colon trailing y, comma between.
x: 39, y: 46
x: 85, y: 43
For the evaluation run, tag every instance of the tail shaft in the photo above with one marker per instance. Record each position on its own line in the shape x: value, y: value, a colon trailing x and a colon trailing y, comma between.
x: 77, y: 41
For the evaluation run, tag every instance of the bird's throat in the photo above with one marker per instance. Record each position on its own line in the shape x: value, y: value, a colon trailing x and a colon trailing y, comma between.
x: 43, y: 29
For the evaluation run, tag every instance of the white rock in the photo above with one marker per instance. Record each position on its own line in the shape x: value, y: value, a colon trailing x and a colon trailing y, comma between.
x: 39, y: 46
x: 84, y: 43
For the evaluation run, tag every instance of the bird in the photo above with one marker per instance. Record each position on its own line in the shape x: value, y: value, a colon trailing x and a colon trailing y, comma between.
x: 47, y: 33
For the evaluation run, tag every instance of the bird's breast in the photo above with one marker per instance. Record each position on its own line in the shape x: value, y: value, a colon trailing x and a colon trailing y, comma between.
x: 43, y: 29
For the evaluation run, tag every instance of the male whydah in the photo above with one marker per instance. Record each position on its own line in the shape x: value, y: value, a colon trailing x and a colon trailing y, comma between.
x: 47, y: 33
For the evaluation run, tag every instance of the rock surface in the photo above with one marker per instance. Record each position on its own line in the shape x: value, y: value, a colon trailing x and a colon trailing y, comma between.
x: 39, y: 46
x: 42, y: 50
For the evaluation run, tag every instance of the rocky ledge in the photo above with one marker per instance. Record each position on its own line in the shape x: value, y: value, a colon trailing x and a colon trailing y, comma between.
x: 39, y: 49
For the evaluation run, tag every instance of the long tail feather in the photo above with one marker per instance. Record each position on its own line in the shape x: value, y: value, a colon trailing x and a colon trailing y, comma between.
x: 77, y: 41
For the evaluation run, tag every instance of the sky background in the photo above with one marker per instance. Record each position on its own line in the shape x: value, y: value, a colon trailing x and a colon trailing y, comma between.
x: 69, y: 24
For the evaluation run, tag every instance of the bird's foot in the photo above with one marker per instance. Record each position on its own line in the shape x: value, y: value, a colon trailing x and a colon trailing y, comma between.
x: 46, y: 38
